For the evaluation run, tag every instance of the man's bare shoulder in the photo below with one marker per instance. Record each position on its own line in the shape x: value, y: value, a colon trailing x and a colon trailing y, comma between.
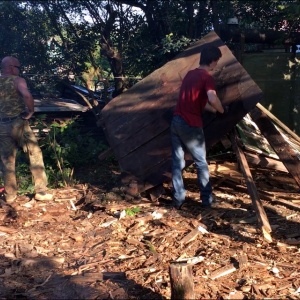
x: 20, y: 82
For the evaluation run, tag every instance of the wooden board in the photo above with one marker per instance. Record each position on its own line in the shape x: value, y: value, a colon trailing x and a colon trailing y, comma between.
x: 57, y: 105
x: 136, y: 123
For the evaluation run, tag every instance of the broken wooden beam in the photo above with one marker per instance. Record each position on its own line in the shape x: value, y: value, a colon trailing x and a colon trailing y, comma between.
x: 287, y: 203
x: 279, y: 123
x: 265, y: 162
x: 282, y: 148
x: 262, y: 217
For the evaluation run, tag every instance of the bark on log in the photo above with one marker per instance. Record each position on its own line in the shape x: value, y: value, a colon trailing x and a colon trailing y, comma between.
x: 182, y: 285
x: 262, y: 217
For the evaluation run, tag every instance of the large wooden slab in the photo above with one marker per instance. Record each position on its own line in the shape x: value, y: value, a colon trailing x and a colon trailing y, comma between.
x: 136, y: 123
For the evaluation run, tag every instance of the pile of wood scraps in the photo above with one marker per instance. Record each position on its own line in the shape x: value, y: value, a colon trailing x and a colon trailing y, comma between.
x: 264, y: 139
x: 91, y: 243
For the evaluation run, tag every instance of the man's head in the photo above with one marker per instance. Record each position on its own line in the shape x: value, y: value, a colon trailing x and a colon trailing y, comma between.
x: 10, y: 66
x: 209, y: 54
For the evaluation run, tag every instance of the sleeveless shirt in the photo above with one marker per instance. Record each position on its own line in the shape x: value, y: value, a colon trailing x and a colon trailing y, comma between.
x: 11, y: 102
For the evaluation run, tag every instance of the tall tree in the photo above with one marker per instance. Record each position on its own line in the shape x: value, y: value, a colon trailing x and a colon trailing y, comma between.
x: 135, y: 36
x: 20, y: 35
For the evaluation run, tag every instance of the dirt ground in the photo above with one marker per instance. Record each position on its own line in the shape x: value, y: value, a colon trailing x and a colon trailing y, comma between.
x: 91, y: 243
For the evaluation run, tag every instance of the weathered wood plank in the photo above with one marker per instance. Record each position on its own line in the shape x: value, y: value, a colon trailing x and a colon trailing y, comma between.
x: 136, y: 123
x: 282, y: 148
x: 252, y: 190
x: 265, y: 162
x: 279, y: 123
x: 57, y: 104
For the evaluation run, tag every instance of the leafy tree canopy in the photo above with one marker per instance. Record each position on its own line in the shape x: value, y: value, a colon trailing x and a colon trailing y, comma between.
x: 119, y: 39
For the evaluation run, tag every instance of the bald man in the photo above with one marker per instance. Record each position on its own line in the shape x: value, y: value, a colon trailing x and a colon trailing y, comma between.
x: 16, y: 108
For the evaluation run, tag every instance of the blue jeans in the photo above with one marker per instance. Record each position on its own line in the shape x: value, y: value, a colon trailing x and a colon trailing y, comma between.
x: 185, y: 137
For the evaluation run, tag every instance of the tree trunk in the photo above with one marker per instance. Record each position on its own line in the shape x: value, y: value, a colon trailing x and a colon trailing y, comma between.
x: 215, y: 16
x: 182, y: 285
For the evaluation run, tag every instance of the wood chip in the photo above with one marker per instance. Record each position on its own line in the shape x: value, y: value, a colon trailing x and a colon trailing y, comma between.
x: 223, y: 271
x: 8, y: 230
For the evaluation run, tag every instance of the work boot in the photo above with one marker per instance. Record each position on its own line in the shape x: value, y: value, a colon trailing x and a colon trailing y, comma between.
x: 43, y: 196
x: 10, y: 198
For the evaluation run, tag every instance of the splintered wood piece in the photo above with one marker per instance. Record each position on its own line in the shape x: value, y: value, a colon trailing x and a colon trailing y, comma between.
x: 265, y: 162
x: 93, y: 277
x: 190, y: 236
x: 181, y: 277
x: 223, y: 271
x: 266, y: 234
x: 288, y: 204
x: 7, y: 229
x: 43, y: 262
x: 262, y: 217
x: 278, y: 122
x: 193, y: 234
x: 243, y: 260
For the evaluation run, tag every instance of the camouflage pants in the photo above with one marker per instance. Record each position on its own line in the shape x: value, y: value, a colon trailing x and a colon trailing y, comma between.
x: 17, y: 134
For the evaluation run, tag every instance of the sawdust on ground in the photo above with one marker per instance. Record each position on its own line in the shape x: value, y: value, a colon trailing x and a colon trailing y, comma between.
x: 89, y: 243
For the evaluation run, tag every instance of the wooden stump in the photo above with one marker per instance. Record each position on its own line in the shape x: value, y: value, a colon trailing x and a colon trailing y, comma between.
x: 182, y: 285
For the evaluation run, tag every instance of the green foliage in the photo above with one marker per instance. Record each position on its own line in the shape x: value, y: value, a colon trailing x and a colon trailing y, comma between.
x: 24, y: 33
x: 173, y: 44
x: 65, y: 148
x: 23, y: 174
x: 151, y: 247
x: 53, y: 38
x: 132, y: 211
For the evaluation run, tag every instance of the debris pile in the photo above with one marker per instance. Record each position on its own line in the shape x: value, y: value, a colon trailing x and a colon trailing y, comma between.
x: 91, y: 243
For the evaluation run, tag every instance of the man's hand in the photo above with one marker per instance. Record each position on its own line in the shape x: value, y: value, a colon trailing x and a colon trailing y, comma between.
x: 226, y: 110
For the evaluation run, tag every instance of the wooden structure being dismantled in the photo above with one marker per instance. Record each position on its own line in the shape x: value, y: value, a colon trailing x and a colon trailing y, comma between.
x: 136, y: 123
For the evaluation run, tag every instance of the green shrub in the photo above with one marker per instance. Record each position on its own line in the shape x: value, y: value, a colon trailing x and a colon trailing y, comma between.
x: 64, y: 148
